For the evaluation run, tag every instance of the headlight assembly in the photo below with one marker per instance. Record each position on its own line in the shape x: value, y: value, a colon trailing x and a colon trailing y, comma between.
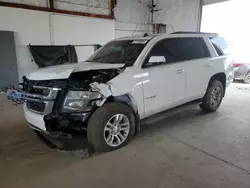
x: 78, y: 100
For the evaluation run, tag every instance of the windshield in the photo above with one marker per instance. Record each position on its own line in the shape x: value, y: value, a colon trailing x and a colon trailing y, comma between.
x: 120, y: 52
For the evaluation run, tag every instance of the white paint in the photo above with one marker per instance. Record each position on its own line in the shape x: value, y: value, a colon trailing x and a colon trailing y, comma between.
x: 151, y: 90
x: 64, y: 71
x: 34, y: 119
x: 43, y: 28
x: 155, y: 82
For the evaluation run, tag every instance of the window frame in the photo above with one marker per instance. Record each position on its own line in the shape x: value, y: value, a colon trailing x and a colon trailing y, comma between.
x: 148, y: 53
x: 217, y: 47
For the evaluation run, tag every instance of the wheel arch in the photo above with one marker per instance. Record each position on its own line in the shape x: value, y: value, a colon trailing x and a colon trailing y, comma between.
x: 128, y: 100
x: 220, y: 77
x: 245, y: 77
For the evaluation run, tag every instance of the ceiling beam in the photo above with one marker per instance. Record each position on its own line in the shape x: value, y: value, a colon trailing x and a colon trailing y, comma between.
x: 45, y: 9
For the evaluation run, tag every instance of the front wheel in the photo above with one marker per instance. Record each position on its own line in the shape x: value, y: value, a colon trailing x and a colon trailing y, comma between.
x: 213, y: 97
x: 111, y: 127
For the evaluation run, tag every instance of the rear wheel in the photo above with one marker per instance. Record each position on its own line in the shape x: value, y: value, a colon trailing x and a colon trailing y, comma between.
x: 213, y: 97
x: 247, y: 78
x: 111, y: 127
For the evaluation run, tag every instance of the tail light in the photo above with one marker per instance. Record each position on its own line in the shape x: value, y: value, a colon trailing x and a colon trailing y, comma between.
x: 238, y: 64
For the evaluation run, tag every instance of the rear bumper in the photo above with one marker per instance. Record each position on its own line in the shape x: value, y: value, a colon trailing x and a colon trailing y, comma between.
x: 239, y: 75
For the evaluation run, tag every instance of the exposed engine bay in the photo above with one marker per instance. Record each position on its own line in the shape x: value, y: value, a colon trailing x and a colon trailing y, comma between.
x: 78, y: 80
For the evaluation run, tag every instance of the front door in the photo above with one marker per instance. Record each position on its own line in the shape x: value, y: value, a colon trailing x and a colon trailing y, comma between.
x: 164, y: 86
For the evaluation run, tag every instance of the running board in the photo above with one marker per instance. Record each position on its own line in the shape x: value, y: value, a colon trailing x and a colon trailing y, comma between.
x: 170, y: 112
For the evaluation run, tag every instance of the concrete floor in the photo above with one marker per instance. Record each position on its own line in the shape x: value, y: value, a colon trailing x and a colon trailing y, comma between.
x: 190, y: 149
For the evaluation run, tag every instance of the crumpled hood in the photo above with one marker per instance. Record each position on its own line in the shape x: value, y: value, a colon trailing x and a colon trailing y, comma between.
x: 64, y: 71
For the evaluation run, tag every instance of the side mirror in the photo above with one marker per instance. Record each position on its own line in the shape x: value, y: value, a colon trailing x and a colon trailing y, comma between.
x: 156, y: 60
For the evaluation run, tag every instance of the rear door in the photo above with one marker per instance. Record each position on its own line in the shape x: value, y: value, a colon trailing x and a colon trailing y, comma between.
x: 197, y: 65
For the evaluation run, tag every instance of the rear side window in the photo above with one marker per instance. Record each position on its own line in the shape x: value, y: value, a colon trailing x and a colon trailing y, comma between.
x: 180, y: 49
x: 220, y: 45
x: 193, y: 48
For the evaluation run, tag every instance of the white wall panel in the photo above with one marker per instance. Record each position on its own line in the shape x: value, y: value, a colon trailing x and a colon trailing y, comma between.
x: 30, y: 27
x: 132, y: 17
x: 179, y: 15
x: 43, y: 28
x: 81, y: 30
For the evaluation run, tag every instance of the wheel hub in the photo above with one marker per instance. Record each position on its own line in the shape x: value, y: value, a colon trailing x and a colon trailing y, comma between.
x: 215, y: 96
x: 116, y: 130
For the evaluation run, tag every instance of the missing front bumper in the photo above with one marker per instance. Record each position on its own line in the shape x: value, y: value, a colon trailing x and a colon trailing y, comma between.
x: 53, y: 135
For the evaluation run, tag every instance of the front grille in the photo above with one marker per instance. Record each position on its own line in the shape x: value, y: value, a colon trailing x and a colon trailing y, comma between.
x: 41, y: 91
x: 36, y: 106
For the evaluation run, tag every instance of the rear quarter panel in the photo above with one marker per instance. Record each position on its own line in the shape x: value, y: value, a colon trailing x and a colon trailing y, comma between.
x: 220, y: 64
x: 223, y: 64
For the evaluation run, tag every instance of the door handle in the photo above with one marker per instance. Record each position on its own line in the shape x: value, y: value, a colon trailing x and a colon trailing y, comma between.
x: 209, y: 65
x: 179, y: 71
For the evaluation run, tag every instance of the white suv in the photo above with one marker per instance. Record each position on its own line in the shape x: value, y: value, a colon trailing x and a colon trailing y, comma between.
x: 126, y: 81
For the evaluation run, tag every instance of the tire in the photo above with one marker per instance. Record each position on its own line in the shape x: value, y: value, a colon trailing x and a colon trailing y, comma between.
x: 247, y: 78
x: 213, y: 97
x: 99, y: 131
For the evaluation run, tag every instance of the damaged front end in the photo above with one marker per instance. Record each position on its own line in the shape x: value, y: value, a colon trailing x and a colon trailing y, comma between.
x: 65, y: 105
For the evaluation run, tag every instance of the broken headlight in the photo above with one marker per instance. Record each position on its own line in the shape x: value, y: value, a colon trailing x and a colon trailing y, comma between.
x: 79, y: 100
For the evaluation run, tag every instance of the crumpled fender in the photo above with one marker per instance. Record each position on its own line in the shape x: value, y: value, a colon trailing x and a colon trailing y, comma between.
x: 104, y: 89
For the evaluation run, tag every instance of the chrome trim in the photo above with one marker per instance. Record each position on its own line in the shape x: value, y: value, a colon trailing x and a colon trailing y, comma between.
x: 23, y: 97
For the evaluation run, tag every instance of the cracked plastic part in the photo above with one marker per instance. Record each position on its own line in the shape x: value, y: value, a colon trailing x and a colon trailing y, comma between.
x: 103, y: 89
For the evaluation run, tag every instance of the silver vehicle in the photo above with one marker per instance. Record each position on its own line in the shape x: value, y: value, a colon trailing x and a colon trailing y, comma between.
x: 242, y: 68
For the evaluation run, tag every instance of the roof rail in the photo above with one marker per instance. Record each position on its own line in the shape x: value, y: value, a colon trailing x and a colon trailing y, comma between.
x: 191, y: 32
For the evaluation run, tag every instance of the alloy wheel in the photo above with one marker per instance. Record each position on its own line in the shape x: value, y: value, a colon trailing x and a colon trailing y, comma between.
x: 116, y: 130
x: 215, y: 97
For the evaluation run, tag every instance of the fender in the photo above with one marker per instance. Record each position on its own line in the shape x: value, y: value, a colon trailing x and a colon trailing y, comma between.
x: 130, y: 101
